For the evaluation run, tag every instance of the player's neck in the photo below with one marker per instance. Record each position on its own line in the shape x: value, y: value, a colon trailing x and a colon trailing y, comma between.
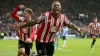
x: 28, y: 19
x: 55, y: 15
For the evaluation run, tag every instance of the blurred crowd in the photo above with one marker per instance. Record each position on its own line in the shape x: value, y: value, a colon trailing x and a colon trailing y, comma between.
x: 79, y: 15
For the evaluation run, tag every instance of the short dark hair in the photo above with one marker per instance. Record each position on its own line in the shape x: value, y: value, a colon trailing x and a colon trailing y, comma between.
x: 94, y: 17
x: 29, y: 11
x: 55, y: 1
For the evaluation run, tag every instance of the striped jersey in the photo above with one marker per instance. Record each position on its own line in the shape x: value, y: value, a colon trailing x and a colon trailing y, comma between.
x: 23, y: 33
x: 94, y: 28
x: 49, y: 26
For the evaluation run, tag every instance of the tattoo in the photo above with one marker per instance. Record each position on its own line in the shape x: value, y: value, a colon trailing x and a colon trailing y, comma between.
x: 72, y: 26
x: 29, y: 24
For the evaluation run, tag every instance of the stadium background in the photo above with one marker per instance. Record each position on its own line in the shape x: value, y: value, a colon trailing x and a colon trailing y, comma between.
x: 80, y: 12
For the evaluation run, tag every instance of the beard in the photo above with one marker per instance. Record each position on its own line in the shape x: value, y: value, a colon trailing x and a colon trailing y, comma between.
x: 56, y: 14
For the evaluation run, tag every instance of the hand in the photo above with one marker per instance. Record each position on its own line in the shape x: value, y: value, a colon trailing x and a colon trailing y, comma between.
x: 81, y: 31
x: 21, y: 6
x: 14, y: 26
x: 28, y: 40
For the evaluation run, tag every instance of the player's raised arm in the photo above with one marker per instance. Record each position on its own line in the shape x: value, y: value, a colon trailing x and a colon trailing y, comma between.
x: 31, y: 23
x: 14, y: 13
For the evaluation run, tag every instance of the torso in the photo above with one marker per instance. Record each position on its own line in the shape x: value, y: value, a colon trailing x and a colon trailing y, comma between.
x: 49, y: 27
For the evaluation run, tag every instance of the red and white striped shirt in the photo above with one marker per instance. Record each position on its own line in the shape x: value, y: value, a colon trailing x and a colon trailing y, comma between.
x: 49, y: 26
x: 94, y: 28
x: 23, y: 33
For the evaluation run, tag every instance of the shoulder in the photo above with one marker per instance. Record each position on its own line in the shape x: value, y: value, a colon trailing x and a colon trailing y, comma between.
x: 63, y: 15
x: 45, y: 13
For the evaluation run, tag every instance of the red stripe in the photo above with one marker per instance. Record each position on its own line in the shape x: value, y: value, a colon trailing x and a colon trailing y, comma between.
x: 93, y: 30
x: 50, y: 37
x: 48, y: 27
x: 20, y: 33
x: 29, y: 31
x: 59, y: 23
x: 24, y: 37
x: 33, y: 34
x: 42, y: 16
x: 39, y: 32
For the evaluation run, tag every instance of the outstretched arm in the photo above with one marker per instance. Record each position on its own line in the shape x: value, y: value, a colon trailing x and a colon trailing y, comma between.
x: 72, y: 26
x: 33, y: 22
x: 29, y: 24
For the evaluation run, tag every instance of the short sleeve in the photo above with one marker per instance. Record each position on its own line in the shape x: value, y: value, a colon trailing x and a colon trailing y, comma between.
x: 66, y: 21
x: 41, y: 18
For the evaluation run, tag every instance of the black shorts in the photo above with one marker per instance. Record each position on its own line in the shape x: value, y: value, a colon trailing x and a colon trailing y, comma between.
x: 64, y: 37
x: 45, y: 48
x: 27, y: 46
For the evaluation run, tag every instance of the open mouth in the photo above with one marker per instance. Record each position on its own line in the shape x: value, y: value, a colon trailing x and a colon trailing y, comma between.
x: 57, y: 10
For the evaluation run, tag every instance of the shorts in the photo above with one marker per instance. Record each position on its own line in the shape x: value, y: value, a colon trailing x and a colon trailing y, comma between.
x: 92, y: 35
x: 45, y: 48
x: 27, y: 46
x: 64, y: 37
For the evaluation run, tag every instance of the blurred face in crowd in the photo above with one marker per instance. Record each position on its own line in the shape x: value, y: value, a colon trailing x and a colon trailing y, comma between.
x: 56, y: 7
x: 95, y: 20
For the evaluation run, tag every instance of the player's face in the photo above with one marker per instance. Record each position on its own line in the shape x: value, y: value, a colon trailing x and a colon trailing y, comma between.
x: 95, y: 20
x: 56, y: 7
x: 26, y: 15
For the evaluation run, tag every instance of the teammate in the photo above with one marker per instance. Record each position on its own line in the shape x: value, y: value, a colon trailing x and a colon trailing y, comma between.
x: 94, y: 30
x: 24, y: 34
x: 50, y: 22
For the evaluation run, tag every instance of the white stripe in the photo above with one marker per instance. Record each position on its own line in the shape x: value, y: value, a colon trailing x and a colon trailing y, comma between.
x: 62, y: 19
x: 45, y: 27
x: 31, y: 29
x: 52, y: 37
x: 27, y: 32
x: 22, y: 37
x: 57, y: 24
x: 48, y: 36
x: 52, y: 25
x: 41, y: 18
